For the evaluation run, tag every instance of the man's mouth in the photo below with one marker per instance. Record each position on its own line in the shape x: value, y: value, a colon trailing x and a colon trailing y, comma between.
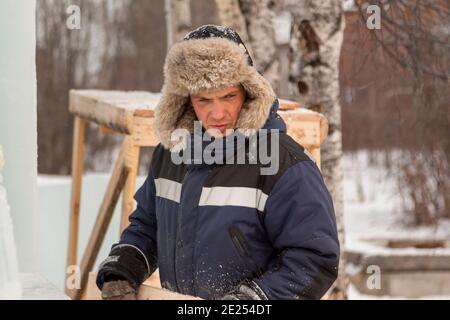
x: 220, y: 127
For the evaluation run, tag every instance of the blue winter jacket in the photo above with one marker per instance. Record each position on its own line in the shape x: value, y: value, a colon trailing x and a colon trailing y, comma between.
x: 207, y: 227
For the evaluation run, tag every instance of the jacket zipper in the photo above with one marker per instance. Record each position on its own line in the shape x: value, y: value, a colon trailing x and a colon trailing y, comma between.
x: 241, y: 245
x: 180, y: 210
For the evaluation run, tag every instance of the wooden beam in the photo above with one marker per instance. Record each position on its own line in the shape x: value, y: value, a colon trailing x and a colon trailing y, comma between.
x: 304, y: 130
x: 113, y: 109
x: 288, y: 104
x: 132, y: 163
x: 77, y: 173
x: 105, y: 130
x: 323, y: 129
x: 115, y: 186
x: 101, y: 111
x: 143, y: 132
x: 315, y: 152
x: 308, y: 128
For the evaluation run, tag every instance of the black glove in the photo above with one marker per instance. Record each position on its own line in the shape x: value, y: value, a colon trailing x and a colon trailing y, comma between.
x: 246, y: 290
x: 125, y: 262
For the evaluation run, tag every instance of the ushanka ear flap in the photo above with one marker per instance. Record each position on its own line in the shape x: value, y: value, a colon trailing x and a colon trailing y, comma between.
x: 167, y: 113
x: 256, y: 108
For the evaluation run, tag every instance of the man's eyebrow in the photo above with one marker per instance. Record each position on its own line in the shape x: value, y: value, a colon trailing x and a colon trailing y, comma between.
x: 206, y: 98
x: 200, y: 97
x: 231, y: 92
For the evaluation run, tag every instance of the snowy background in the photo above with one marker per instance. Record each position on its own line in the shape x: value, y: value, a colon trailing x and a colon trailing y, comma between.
x: 373, y: 210
x: 385, y: 105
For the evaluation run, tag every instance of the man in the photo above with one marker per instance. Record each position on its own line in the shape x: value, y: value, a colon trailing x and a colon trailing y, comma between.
x: 225, y: 230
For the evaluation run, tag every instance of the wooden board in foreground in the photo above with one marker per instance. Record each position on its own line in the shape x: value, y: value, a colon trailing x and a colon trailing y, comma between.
x: 149, y: 290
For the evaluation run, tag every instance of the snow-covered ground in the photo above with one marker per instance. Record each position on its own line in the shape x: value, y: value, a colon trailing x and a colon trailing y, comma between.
x: 373, y: 209
x: 372, y: 203
x: 354, y: 294
x: 53, y: 221
x: 371, y: 200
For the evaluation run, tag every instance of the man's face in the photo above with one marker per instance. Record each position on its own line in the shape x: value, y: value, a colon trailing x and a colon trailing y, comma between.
x: 219, y: 109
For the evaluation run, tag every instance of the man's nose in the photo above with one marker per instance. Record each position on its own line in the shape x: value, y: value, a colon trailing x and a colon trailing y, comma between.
x: 218, y: 111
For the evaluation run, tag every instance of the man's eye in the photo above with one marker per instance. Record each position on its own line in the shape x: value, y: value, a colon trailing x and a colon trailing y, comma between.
x: 230, y: 96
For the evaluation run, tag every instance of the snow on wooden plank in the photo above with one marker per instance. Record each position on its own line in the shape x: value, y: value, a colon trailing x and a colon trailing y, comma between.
x: 113, y: 109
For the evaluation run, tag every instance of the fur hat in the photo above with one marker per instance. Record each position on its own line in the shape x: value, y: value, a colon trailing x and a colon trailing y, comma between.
x: 209, y: 58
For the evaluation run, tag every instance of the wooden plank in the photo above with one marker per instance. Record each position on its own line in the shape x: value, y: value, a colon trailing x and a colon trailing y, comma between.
x: 115, y: 186
x: 288, y: 104
x: 132, y: 163
x: 77, y: 173
x: 105, y: 130
x: 308, y: 127
x: 143, y: 113
x: 113, y: 109
x: 143, y: 132
x: 149, y: 290
x: 307, y: 133
x: 315, y: 152
x: 100, y: 111
x: 323, y: 129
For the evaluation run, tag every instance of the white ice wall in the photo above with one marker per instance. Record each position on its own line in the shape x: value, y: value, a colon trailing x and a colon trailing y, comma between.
x: 9, y: 272
x: 53, y: 222
x: 18, y: 121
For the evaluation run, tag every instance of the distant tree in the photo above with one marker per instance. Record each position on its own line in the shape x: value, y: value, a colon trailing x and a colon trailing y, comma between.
x: 120, y: 45
x: 415, y: 36
x: 178, y: 19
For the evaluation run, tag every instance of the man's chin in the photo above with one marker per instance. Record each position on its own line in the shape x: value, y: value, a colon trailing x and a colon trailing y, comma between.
x: 217, y: 133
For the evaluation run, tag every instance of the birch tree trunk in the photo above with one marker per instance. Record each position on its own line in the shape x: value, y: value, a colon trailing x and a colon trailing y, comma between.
x: 316, y: 40
x: 230, y: 14
x: 252, y: 19
x: 178, y: 20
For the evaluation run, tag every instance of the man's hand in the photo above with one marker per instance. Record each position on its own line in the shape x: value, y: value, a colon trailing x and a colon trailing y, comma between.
x: 118, y: 290
x: 246, y: 290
